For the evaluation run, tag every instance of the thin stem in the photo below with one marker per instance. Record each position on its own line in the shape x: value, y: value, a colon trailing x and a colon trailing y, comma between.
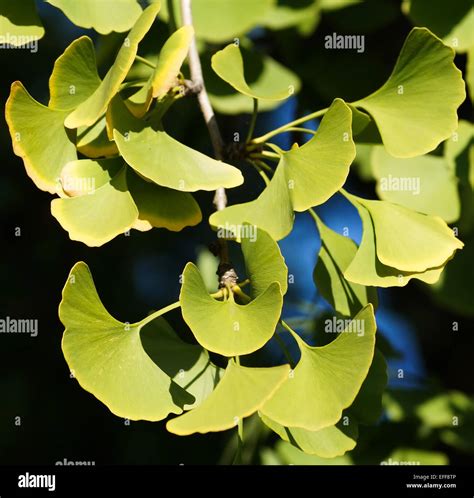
x: 265, y: 155
x: 145, y: 61
x: 302, y: 130
x: 275, y: 148
x: 220, y: 198
x: 239, y: 292
x: 284, y: 128
x: 156, y: 314
x: 253, y: 121
x: 283, y: 347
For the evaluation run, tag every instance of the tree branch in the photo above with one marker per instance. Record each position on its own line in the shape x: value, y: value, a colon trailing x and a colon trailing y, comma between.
x: 220, y: 198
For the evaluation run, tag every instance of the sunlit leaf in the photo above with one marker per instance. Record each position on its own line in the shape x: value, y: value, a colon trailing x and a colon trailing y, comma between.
x: 239, y: 394
x: 19, y: 22
x: 329, y: 442
x: 426, y: 184
x: 163, y: 78
x: 327, y: 379
x: 318, y: 169
x: 291, y: 455
x: 98, y: 217
x: 226, y: 327
x: 272, y: 210
x: 102, y: 15
x: 415, y: 109
x: 366, y: 269
x: 33, y: 125
x: 89, y: 111
x: 264, y: 262
x: 408, y: 240
x: 264, y: 75
x: 74, y: 78
x: 107, y: 357
x: 229, y: 65
x: 164, y: 160
x: 335, y: 255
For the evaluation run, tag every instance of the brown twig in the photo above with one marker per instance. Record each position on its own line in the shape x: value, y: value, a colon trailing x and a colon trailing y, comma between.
x: 220, y: 198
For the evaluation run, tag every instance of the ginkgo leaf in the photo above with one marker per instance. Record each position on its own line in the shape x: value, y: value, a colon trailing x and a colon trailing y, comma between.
x: 408, y: 240
x: 107, y: 356
x: 335, y: 255
x: 162, y: 207
x: 164, y: 160
x: 272, y: 210
x: 97, y: 218
x: 226, y: 327
x: 305, y: 176
x: 454, y: 23
x: 219, y: 21
x: 89, y: 111
x: 229, y: 65
x: 239, y: 394
x: 367, y: 407
x: 415, y: 109
x: 102, y: 15
x: 286, y: 14
x: 366, y: 269
x: 426, y: 184
x: 167, y: 69
x: 329, y: 442
x: 19, y: 23
x: 263, y: 74
x: 74, y: 78
x: 84, y: 176
x: 264, y: 262
x: 93, y: 141
x: 326, y: 379
x: 32, y: 125
x: 188, y: 365
x: 318, y: 169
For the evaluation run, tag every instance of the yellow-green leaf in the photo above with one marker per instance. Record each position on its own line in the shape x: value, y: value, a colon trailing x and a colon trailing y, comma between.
x: 240, y: 393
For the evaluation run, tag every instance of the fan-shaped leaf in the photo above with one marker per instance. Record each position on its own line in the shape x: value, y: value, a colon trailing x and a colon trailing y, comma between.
x: 74, y: 77
x: 33, y: 125
x: 264, y: 263
x: 239, y: 394
x: 226, y: 327
x: 327, y: 379
x: 366, y: 269
x: 229, y: 65
x: 107, y: 357
x: 94, y: 142
x: 97, y: 218
x: 318, y: 169
x: 164, y: 160
x: 415, y: 109
x: 272, y: 210
x: 408, y: 240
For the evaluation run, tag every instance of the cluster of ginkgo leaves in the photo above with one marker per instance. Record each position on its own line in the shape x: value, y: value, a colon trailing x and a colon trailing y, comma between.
x: 100, y: 147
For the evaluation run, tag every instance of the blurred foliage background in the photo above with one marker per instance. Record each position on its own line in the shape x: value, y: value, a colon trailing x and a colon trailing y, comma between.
x: 139, y: 272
